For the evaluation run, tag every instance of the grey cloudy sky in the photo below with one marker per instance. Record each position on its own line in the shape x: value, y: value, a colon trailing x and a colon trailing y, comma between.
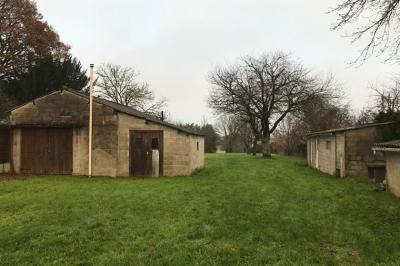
x: 175, y: 43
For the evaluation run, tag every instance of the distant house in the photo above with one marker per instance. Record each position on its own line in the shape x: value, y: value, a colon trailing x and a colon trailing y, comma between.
x: 392, y: 153
x: 347, y: 151
x: 50, y: 136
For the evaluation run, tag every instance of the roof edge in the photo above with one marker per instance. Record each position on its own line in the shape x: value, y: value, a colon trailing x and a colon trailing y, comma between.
x: 104, y: 102
x: 142, y: 115
x: 335, y: 130
x: 385, y: 149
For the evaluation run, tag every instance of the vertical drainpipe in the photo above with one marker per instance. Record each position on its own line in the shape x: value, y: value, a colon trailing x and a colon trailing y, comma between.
x: 90, y: 120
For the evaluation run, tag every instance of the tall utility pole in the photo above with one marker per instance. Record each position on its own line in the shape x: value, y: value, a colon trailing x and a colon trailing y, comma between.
x: 90, y: 119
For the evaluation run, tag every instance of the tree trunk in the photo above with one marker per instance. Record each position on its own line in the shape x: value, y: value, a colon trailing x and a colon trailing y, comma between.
x: 255, y: 147
x: 266, y: 146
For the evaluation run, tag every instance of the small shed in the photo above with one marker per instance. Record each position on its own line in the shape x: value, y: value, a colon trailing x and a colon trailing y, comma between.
x: 347, y: 151
x: 392, y: 154
x: 50, y: 136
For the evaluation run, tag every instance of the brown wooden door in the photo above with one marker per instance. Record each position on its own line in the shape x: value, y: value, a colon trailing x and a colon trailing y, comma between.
x: 4, y: 145
x: 46, y: 151
x: 141, y: 145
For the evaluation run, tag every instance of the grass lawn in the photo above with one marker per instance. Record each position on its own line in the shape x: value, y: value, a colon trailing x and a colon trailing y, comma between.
x: 238, y: 210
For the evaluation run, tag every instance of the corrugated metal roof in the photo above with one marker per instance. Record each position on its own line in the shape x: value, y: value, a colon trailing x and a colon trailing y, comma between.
x: 394, y: 144
x: 330, y: 131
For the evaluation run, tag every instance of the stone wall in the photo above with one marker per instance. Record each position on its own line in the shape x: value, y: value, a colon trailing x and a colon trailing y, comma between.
x: 59, y: 108
x: 393, y: 172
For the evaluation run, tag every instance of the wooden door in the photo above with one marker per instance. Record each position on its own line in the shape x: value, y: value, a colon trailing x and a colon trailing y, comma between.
x: 4, y: 145
x: 46, y: 151
x: 141, y: 145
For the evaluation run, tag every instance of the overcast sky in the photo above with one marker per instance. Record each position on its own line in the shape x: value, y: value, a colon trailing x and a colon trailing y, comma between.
x: 175, y: 43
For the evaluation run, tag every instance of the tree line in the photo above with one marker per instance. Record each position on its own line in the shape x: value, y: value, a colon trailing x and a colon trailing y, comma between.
x: 34, y: 62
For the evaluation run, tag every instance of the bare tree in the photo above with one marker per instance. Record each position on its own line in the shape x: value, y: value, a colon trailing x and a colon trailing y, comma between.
x: 119, y: 84
x: 323, y: 113
x: 379, y: 21
x: 237, y: 135
x: 387, y: 100
x: 263, y: 91
x: 366, y: 116
x: 289, y: 135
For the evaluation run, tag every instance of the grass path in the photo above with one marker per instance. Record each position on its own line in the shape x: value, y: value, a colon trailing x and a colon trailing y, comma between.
x: 238, y: 210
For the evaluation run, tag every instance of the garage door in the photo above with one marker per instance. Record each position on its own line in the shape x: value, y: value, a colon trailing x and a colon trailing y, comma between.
x: 46, y: 151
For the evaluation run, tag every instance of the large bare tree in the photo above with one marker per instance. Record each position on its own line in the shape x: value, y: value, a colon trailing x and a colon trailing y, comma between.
x: 120, y: 84
x: 25, y: 38
x: 262, y: 91
x: 377, y: 21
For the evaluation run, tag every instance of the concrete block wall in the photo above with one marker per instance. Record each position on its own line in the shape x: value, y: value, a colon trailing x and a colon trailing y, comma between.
x: 326, y: 157
x: 16, y: 150
x: 196, y: 152
x: 340, y: 153
x: 393, y: 172
x: 80, y: 151
x: 105, y: 141
x: 58, y: 108
x: 359, y: 150
x: 311, y: 151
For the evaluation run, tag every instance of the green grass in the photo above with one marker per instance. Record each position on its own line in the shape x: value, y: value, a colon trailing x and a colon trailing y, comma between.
x: 239, y: 210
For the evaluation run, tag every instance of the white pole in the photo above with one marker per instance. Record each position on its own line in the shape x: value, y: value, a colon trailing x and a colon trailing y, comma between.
x: 90, y: 119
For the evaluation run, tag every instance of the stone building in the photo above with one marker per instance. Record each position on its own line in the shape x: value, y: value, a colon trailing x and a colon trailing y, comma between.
x: 347, y: 151
x: 392, y: 154
x: 50, y: 136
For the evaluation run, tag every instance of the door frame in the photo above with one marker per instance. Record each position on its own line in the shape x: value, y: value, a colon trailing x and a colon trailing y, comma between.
x: 160, y: 149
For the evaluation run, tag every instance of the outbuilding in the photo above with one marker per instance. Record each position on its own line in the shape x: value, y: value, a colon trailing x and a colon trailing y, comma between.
x: 347, y: 151
x: 50, y: 136
x: 392, y: 153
